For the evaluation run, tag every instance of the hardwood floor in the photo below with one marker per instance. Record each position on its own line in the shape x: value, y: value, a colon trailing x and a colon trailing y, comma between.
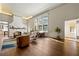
x: 45, y: 47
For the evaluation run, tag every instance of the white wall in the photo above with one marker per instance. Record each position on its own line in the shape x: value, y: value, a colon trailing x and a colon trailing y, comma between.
x: 58, y: 16
x: 6, y: 18
x: 77, y: 27
x: 30, y: 25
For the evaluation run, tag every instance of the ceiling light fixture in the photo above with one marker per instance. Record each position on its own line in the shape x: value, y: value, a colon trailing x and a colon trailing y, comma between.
x: 5, y: 10
x: 5, y: 13
x: 27, y: 17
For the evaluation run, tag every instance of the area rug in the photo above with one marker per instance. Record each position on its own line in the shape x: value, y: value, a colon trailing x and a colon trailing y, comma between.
x: 8, y: 46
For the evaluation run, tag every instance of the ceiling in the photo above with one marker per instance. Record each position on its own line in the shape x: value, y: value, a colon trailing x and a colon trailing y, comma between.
x: 31, y: 9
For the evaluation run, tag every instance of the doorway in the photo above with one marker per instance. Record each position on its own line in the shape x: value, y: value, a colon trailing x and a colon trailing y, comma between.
x: 71, y: 29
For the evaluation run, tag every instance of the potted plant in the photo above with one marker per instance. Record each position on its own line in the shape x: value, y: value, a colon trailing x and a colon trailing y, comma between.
x: 58, y: 31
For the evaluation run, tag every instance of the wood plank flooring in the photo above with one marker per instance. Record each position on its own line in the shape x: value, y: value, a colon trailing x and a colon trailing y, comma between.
x: 45, y: 47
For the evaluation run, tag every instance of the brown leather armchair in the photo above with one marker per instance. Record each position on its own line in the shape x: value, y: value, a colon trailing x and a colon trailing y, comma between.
x: 23, y: 41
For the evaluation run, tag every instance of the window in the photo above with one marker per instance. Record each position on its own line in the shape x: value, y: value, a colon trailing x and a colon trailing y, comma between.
x: 42, y: 23
x: 45, y: 23
x: 40, y: 27
x: 45, y: 27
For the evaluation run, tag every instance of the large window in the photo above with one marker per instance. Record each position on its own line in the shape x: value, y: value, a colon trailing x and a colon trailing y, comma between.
x: 45, y: 23
x: 42, y: 23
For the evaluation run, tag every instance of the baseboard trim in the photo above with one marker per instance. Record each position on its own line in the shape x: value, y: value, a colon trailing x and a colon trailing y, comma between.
x: 71, y: 37
x: 56, y: 40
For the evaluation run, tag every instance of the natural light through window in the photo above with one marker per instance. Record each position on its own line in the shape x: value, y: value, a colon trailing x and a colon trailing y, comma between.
x: 41, y: 24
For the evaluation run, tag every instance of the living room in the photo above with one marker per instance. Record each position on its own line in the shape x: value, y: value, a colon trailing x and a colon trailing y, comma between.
x: 46, y: 27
